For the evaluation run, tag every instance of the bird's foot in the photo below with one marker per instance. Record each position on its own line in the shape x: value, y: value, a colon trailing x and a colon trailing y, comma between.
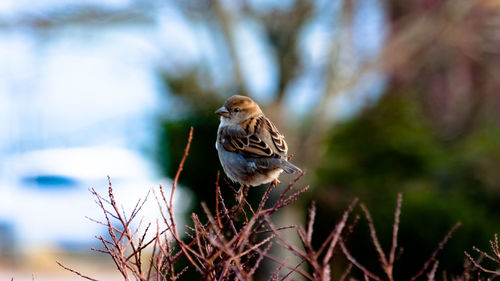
x: 276, y: 182
x: 241, y: 194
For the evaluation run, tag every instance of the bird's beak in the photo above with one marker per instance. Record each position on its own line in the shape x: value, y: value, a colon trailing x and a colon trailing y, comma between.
x: 222, y: 112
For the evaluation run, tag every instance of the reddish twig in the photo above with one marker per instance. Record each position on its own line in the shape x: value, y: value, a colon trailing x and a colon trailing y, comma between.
x: 74, y: 271
x: 436, y: 251
x: 353, y: 261
x: 496, y: 258
x: 376, y: 243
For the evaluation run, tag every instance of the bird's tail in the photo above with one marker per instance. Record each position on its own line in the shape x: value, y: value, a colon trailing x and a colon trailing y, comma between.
x: 289, y: 168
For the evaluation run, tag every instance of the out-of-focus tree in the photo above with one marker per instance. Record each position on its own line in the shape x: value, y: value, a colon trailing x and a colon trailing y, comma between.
x: 392, y: 148
x: 432, y: 134
x: 446, y: 53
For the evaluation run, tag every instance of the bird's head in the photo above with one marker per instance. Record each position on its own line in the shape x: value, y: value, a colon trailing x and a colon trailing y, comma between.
x: 237, y: 109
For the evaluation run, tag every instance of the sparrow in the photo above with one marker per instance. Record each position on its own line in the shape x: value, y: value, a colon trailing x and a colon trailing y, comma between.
x: 251, y: 150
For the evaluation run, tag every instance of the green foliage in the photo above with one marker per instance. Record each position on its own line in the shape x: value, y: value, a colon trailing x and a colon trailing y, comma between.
x: 201, y: 169
x: 391, y: 148
x: 378, y: 149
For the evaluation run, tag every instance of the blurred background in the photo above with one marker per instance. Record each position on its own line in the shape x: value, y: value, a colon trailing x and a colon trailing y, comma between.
x: 375, y: 97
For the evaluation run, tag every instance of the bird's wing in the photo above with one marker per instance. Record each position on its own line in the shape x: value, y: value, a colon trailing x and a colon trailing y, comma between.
x: 256, y: 137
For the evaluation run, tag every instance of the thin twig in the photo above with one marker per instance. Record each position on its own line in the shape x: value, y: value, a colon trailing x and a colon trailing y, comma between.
x: 373, y: 234
x: 477, y: 265
x: 395, y: 229
x: 431, y: 275
x: 348, y: 255
x: 346, y: 272
x: 436, y: 251
x: 74, y: 271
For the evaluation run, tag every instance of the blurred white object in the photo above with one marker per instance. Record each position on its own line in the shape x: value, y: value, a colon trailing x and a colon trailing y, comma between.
x: 45, y: 198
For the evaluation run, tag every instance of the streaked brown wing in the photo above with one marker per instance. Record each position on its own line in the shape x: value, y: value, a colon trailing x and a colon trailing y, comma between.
x: 278, y: 139
x: 249, y: 139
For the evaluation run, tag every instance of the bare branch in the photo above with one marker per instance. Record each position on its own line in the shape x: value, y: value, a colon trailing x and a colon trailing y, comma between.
x: 436, y: 251
x: 74, y: 271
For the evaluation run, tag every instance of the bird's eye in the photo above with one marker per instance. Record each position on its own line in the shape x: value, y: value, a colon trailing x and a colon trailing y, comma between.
x: 237, y: 109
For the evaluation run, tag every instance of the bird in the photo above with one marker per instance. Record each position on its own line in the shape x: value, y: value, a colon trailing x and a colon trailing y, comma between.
x: 251, y: 149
